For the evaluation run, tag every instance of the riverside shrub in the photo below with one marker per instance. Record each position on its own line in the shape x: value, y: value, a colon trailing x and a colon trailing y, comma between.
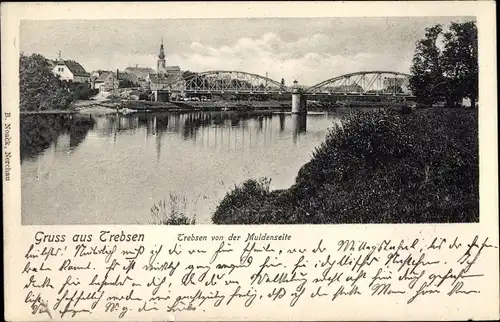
x: 383, y: 166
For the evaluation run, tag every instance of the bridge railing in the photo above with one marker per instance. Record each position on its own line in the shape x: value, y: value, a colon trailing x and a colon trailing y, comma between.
x: 231, y: 81
x: 238, y: 82
x: 365, y: 83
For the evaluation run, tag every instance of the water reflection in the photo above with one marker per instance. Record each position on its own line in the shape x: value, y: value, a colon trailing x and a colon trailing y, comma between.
x: 110, y: 169
x: 40, y: 132
x: 299, y: 125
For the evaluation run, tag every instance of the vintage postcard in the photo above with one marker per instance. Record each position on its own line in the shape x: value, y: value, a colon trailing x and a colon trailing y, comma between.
x: 250, y: 161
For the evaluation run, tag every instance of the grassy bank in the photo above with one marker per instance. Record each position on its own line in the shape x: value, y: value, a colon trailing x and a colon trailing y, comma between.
x: 380, y: 166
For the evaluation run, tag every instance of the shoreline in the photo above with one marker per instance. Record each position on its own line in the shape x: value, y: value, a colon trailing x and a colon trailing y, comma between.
x: 128, y: 106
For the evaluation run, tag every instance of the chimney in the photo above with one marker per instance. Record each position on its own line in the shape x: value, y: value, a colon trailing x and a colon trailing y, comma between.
x: 136, y: 65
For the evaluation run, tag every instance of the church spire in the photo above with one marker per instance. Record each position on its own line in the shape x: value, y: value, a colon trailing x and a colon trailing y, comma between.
x: 162, y: 52
x: 161, y: 65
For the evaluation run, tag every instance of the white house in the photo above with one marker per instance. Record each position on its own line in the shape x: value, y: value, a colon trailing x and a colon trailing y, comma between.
x: 70, y: 70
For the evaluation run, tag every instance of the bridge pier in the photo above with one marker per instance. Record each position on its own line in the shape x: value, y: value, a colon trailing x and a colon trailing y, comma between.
x: 299, y: 101
x: 161, y: 95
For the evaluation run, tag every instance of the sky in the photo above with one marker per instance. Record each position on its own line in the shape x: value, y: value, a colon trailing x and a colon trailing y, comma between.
x: 308, y: 50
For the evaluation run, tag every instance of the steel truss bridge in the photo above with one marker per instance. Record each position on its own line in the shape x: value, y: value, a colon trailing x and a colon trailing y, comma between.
x: 365, y: 83
x: 233, y: 82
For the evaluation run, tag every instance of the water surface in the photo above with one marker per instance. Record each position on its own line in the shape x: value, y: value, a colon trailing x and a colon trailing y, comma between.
x: 112, y: 169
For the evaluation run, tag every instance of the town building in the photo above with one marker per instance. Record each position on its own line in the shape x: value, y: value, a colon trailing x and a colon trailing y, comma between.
x: 174, y: 71
x: 131, y: 79
x: 94, y: 76
x: 106, y: 81
x: 141, y: 73
x: 165, y: 81
x: 70, y: 70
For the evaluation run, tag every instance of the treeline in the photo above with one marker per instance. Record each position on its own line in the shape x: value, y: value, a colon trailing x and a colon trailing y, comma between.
x: 40, y: 89
x: 445, y: 65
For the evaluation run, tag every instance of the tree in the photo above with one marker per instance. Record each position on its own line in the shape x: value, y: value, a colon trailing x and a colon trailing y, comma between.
x: 187, y: 74
x: 81, y: 91
x: 450, y: 74
x: 39, y: 88
x: 460, y: 61
x: 427, y: 81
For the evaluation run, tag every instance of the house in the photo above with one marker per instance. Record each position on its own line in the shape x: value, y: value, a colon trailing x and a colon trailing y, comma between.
x: 94, y: 76
x: 130, y: 78
x: 96, y: 73
x: 140, y: 72
x: 174, y: 70
x: 172, y: 82
x: 70, y: 70
x: 106, y: 82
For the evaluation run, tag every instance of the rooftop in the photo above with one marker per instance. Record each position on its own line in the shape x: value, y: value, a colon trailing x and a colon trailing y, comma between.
x: 140, y: 69
x: 173, y: 68
x: 165, y: 79
x: 102, y: 77
x: 75, y: 68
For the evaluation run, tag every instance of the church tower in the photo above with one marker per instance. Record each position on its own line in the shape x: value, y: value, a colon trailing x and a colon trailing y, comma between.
x: 161, y: 66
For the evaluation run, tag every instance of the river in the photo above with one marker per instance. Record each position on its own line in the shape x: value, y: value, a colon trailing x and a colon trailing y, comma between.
x: 112, y: 169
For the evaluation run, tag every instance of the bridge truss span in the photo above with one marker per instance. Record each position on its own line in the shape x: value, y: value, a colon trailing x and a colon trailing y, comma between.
x: 232, y: 82
x: 373, y: 83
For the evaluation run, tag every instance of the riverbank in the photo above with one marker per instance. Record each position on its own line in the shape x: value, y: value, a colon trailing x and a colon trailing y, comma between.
x: 380, y: 166
x: 100, y: 107
x: 205, y: 106
x: 105, y: 106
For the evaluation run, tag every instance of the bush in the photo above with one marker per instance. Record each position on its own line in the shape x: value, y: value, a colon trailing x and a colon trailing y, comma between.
x: 253, y: 203
x: 82, y: 91
x: 172, y: 213
x: 385, y: 166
